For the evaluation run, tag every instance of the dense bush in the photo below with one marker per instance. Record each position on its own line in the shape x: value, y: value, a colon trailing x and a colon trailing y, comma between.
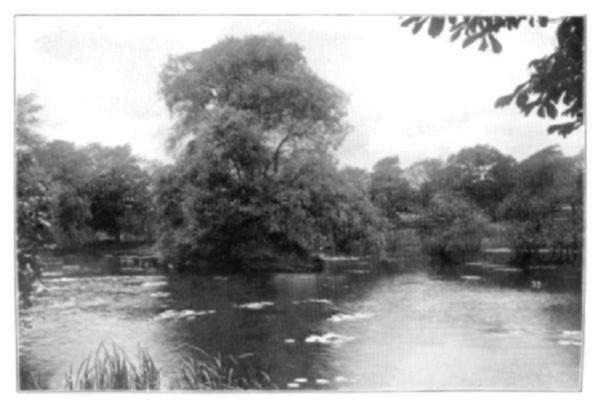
x: 452, y: 228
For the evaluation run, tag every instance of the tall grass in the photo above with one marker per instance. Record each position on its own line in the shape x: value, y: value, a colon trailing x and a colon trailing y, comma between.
x: 109, y: 368
x: 204, y: 371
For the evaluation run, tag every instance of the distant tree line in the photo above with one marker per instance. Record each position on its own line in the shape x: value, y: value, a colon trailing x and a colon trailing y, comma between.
x: 70, y: 196
x: 255, y: 179
x: 480, y: 193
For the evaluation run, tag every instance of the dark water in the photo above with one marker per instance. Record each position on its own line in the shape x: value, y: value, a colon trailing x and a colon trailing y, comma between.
x: 350, y: 329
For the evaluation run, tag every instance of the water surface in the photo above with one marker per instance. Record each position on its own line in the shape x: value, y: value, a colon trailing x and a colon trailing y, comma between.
x: 352, y: 329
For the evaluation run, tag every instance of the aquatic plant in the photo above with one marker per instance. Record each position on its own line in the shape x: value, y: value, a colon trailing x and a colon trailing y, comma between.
x: 110, y: 368
x: 204, y: 371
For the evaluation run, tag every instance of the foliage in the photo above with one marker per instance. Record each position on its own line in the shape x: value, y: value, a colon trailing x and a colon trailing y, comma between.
x: 68, y: 173
x: 120, y: 201
x: 545, y: 211
x: 263, y: 77
x: 204, y: 371
x: 71, y: 221
x: 27, y: 121
x: 428, y: 176
x: 452, y: 228
x: 481, y: 173
x: 33, y: 205
x: 389, y: 190
x: 254, y: 128
x: 67, y: 194
x: 110, y: 368
x: 556, y: 79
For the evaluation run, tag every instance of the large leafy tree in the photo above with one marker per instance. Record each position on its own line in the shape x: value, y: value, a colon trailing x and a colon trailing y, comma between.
x: 262, y: 80
x: 555, y: 86
x: 253, y: 132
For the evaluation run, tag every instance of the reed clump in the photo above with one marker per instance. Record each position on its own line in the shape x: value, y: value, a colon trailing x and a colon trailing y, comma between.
x: 203, y: 371
x: 109, y: 368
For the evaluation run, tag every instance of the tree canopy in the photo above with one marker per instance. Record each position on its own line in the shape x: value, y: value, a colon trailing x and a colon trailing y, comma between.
x: 67, y: 194
x: 33, y: 203
x: 481, y: 173
x: 262, y: 82
x: 389, y: 190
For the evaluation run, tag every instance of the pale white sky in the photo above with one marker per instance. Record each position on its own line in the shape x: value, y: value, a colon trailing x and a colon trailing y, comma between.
x: 411, y: 96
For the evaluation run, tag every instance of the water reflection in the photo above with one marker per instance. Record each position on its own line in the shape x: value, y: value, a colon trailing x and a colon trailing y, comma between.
x: 335, y: 330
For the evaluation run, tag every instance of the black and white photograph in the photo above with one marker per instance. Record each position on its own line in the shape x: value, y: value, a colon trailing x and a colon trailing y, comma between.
x: 305, y: 202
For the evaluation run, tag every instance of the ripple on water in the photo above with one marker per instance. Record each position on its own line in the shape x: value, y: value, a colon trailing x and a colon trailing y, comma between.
x: 154, y: 284
x: 61, y: 279
x: 350, y: 317
x: 470, y: 278
x: 255, y: 305
x: 329, y: 338
x: 313, y: 301
x: 187, y: 314
x: 160, y: 295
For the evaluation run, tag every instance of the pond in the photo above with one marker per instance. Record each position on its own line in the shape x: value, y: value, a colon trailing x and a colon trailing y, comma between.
x: 350, y: 329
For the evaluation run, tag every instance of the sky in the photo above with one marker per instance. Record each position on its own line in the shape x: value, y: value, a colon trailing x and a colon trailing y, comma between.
x: 411, y: 96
